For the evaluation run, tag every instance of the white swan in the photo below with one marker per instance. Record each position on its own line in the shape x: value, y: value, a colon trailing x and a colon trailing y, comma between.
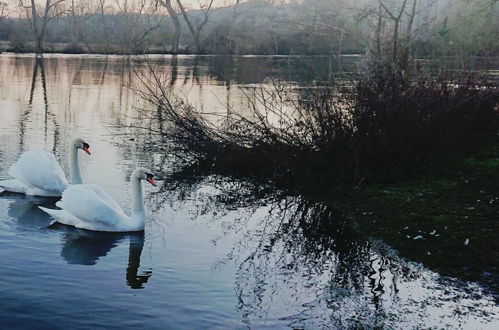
x: 37, y: 172
x: 88, y: 206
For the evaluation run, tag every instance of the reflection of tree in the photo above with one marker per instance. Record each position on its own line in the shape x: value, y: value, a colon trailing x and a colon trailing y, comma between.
x: 173, y: 70
x: 38, y: 59
x: 221, y: 68
x: 195, y: 71
x: 299, y: 250
x: 38, y: 67
x: 308, y: 244
x: 24, y: 116
x: 84, y: 247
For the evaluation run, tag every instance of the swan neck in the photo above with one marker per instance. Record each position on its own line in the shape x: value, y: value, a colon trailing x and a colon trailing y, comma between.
x: 74, y: 166
x: 137, y: 199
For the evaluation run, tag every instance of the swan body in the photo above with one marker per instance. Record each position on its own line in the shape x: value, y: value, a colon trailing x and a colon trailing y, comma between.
x: 88, y: 206
x: 38, y: 173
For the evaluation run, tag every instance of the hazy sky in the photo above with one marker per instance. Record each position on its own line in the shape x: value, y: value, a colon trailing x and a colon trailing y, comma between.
x: 189, y: 4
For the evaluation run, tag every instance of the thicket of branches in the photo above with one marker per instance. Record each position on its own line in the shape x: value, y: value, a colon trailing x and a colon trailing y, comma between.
x: 382, y: 125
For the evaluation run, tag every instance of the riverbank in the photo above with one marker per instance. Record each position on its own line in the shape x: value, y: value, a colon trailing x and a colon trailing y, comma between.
x: 116, y: 49
x: 447, y: 219
x: 81, y: 48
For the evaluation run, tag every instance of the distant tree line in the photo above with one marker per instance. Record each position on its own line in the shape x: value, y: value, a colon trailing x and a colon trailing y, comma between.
x: 390, y: 29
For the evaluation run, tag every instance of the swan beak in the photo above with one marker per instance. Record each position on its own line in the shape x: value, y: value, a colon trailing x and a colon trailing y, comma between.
x: 86, y: 150
x: 151, y: 181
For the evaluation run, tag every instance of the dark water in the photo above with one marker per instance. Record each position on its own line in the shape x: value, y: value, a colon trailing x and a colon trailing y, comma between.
x: 216, y: 253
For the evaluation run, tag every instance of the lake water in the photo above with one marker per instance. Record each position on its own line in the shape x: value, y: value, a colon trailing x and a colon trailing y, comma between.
x: 216, y: 253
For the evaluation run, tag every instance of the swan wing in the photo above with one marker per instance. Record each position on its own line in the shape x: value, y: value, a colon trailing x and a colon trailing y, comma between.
x: 105, y: 196
x: 62, y: 216
x: 39, y: 170
x: 91, y: 204
x: 14, y: 185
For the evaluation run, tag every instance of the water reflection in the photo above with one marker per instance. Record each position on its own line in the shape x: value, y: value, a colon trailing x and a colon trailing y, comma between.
x: 80, y: 247
x: 84, y: 247
x: 303, y: 263
x: 134, y: 278
x: 24, y: 209
x: 239, y: 253
x: 38, y: 70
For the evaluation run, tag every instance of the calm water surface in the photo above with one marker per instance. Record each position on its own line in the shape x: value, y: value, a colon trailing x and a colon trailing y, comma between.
x: 216, y: 253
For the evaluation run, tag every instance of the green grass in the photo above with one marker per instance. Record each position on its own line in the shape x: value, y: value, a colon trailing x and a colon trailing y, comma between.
x: 445, y: 208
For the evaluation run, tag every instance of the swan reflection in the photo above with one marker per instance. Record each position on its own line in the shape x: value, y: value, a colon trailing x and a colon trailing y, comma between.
x: 79, y: 246
x: 84, y: 247
x: 24, y: 209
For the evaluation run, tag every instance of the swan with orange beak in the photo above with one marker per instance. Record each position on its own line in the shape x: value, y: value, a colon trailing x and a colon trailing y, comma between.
x: 88, y: 206
x: 38, y: 173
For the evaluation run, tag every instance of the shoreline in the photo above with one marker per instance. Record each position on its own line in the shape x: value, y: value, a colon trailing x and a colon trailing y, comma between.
x: 449, y: 222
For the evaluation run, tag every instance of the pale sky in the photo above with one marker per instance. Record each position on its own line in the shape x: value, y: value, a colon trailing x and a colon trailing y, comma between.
x: 13, y: 5
x: 186, y: 3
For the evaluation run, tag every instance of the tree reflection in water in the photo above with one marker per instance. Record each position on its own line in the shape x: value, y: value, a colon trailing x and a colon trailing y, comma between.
x: 303, y: 263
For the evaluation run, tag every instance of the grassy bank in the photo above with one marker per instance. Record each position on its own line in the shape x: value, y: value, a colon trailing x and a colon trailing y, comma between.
x: 448, y: 219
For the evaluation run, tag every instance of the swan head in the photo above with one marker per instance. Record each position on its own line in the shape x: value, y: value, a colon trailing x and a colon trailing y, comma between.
x: 143, y: 174
x: 80, y: 144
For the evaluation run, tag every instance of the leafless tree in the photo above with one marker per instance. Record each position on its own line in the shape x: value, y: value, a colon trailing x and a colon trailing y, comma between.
x: 196, y: 31
x: 3, y: 13
x: 78, y: 10
x: 139, y: 21
x: 396, y: 17
x: 38, y: 23
x: 3, y: 9
x: 176, y: 23
x: 394, y: 28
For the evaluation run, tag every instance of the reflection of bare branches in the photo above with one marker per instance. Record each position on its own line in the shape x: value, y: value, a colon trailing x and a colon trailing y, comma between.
x: 38, y: 68
x: 29, y: 108
x: 174, y: 70
x: 298, y: 245
x: 303, y: 244
x: 102, y: 79
x: 295, y: 237
x: 45, y: 97
x: 33, y: 81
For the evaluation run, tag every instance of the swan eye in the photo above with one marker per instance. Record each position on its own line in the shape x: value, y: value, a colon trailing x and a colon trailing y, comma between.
x: 86, y: 145
x: 149, y: 175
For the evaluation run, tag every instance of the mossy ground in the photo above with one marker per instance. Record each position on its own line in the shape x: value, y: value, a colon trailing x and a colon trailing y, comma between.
x: 448, y: 220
